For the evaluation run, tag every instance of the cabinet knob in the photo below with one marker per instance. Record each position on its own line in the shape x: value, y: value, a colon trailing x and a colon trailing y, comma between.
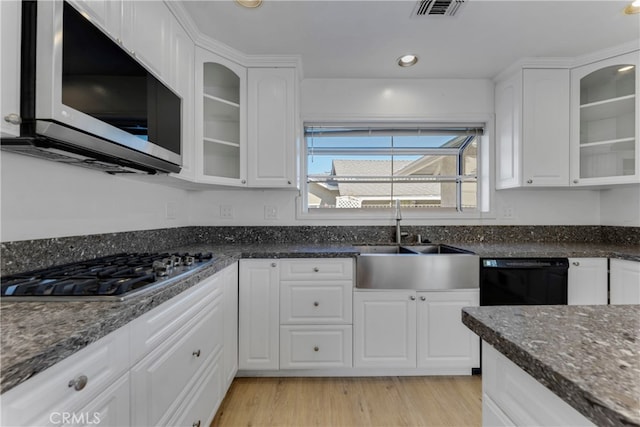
x: 316, y: 303
x: 576, y: 263
x: 412, y: 298
x: 79, y: 382
x: 273, y: 264
x: 316, y: 348
x: 289, y: 182
x: 575, y: 181
x: 423, y: 298
x: 244, y: 181
x: 316, y: 269
x: 529, y: 181
x: 13, y: 118
x: 196, y: 353
x: 196, y: 424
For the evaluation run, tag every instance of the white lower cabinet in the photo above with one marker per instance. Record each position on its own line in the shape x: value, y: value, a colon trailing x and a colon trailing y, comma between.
x: 624, y: 282
x: 258, y: 321
x: 409, y: 329
x: 75, y: 390
x: 295, y: 314
x: 588, y: 281
x: 170, y: 366
x: 513, y: 397
x: 384, y: 329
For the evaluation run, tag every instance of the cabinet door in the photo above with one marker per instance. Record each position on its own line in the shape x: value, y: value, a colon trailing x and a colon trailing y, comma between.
x: 230, y: 305
x: 604, y: 117
x: 545, y: 127
x: 181, y: 79
x: 10, y: 13
x: 220, y: 120
x: 146, y: 33
x: 259, y: 329
x: 105, y: 14
x: 384, y: 327
x: 625, y: 282
x: 587, y: 281
x: 508, y: 105
x: 163, y: 380
x: 271, y: 127
x: 110, y: 409
x: 443, y: 340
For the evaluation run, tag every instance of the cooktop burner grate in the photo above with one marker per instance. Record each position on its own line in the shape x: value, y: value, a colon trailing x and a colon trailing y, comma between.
x: 110, y: 276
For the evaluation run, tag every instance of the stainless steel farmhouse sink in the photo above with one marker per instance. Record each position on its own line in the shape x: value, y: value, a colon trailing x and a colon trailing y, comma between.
x: 425, y: 267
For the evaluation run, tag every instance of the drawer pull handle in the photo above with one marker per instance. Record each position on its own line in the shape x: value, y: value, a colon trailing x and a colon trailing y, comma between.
x: 529, y: 181
x: 316, y: 303
x: 316, y: 269
x: 79, y: 382
x: 196, y: 353
x: 316, y: 348
x: 412, y: 298
x: 576, y: 263
x: 196, y: 424
x: 423, y: 298
x: 273, y: 264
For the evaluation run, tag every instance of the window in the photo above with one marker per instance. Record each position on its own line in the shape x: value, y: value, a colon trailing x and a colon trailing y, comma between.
x: 372, y: 166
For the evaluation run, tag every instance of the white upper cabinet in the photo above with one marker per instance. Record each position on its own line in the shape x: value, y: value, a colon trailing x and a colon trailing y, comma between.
x: 146, y: 33
x: 105, y: 14
x: 181, y: 78
x: 604, y: 139
x: 272, y: 127
x: 220, y: 113
x: 532, y: 129
x: 10, y: 89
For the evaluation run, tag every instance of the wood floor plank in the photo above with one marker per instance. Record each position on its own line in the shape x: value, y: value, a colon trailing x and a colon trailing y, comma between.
x: 370, y: 401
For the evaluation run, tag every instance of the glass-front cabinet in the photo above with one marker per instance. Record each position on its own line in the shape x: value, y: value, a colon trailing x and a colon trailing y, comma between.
x: 220, y: 115
x: 605, y: 122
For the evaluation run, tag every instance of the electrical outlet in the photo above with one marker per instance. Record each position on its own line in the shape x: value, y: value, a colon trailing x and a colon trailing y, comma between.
x: 226, y: 211
x: 270, y: 212
x: 171, y: 210
x: 508, y: 212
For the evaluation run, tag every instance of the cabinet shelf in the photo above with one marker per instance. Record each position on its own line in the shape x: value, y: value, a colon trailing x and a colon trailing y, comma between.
x: 221, y: 141
x: 607, y: 142
x: 607, y: 109
x: 222, y: 100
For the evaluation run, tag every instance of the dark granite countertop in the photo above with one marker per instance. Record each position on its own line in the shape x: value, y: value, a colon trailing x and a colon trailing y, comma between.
x: 28, y: 345
x: 587, y: 355
x: 552, y: 250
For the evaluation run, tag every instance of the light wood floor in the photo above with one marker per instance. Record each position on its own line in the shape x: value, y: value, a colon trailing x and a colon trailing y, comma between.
x: 372, y: 401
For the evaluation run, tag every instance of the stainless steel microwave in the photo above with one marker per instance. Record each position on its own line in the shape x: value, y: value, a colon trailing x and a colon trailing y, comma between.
x: 85, y: 100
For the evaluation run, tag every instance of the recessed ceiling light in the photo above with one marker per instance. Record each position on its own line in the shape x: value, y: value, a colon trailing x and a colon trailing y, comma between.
x: 633, y: 8
x: 249, y: 3
x: 626, y: 68
x: 407, y: 60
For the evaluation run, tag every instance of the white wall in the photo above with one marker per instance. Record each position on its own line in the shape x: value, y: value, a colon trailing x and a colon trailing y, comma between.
x: 42, y: 199
x: 621, y: 206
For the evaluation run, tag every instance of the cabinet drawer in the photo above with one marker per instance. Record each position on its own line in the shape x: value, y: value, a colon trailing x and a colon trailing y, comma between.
x: 317, y: 269
x: 155, y: 327
x: 163, y: 378
x: 315, y: 302
x: 319, y: 346
x: 49, y: 392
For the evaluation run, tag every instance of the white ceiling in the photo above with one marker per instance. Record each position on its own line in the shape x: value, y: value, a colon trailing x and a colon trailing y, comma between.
x: 355, y: 38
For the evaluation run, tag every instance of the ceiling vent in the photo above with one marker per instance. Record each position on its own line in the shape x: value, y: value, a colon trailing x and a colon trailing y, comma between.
x: 437, y: 7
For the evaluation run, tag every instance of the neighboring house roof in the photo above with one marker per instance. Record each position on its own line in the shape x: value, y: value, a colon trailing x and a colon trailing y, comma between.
x: 379, y: 168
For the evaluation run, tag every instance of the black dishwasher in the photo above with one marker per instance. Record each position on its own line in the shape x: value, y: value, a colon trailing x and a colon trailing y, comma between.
x: 523, y: 281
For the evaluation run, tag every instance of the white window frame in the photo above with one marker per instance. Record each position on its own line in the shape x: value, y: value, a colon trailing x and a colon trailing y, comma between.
x: 384, y: 215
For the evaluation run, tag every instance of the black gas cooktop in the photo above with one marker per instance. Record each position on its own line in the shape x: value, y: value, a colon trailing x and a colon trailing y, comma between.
x: 112, y: 277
